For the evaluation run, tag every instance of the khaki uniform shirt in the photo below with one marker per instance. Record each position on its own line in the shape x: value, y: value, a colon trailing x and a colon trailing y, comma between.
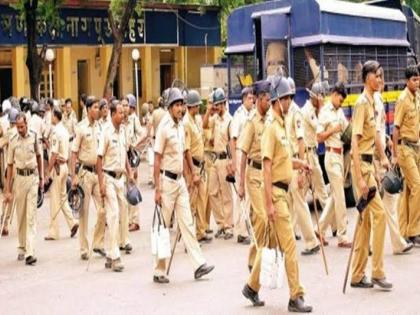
x: 380, y: 117
x: 294, y: 126
x: 310, y: 124
x: 135, y: 131
x: 103, y: 122
x: 364, y: 125
x: 113, y: 148
x: 194, y: 141
x: 86, y: 142
x: 250, y: 142
x: 48, y: 125
x: 221, y: 131
x: 60, y: 141
x: 70, y: 121
x: 4, y: 125
x: 407, y: 116
x: 276, y: 147
x: 23, y: 151
x: 157, y: 116
x: 170, y: 143
x: 37, y: 125
x: 331, y: 117
x: 238, y: 122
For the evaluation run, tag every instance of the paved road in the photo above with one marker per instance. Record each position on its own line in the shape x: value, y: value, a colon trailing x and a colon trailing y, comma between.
x: 60, y: 283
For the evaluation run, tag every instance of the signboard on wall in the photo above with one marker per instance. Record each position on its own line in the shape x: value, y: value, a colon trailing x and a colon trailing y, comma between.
x: 91, y: 27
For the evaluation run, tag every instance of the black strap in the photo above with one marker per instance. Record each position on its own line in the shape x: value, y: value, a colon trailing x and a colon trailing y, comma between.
x: 367, y: 158
x: 281, y: 185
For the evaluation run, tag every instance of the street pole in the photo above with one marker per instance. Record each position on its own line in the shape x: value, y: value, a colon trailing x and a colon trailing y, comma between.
x: 50, y: 79
x: 136, y: 67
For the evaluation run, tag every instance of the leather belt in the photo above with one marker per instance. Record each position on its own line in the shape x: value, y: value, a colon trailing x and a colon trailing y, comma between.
x: 281, y: 185
x: 71, y: 139
x: 221, y: 155
x: 197, y: 163
x: 171, y: 175
x: 311, y: 149
x: 413, y: 145
x: 25, y: 172
x: 335, y: 150
x: 88, y: 168
x: 255, y: 164
x: 368, y: 158
x: 114, y: 174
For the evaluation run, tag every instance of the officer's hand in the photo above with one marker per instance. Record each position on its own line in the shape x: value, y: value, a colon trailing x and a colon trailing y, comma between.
x: 74, y: 182
x: 363, y: 187
x: 196, y: 179
x: 7, y: 197
x: 41, y: 184
x: 231, y: 168
x: 385, y: 163
x: 338, y: 128
x: 131, y: 179
x: 306, y: 168
x: 271, y: 213
x: 241, y: 192
x: 158, y: 197
x: 394, y: 160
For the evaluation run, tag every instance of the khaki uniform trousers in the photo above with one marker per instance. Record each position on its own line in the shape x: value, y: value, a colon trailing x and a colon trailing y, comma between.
x: 374, y: 211
x: 198, y: 201
x: 26, y: 210
x: 220, y: 195
x: 175, y: 198
x: 208, y: 164
x: 255, y: 192
x: 300, y: 212
x: 115, y: 203
x: 238, y: 204
x: 124, y: 233
x: 335, y: 208
x: 90, y: 185
x: 133, y: 211
x: 409, y: 215
x: 7, y: 209
x: 390, y: 204
x: 58, y: 202
x: 317, y: 178
x: 282, y: 227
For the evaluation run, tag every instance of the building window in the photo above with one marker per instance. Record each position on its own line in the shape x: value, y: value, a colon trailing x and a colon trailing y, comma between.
x: 44, y: 86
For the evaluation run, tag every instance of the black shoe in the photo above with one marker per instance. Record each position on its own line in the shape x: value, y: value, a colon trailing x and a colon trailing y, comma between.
x: 21, y: 257
x: 128, y: 248
x: 382, y: 283
x: 205, y: 239
x: 415, y: 240
x: 408, y: 247
x: 99, y: 251
x: 228, y: 235
x: 252, y: 296
x: 30, y: 260
x: 160, y: 279
x: 244, y: 240
x: 73, y: 230
x: 202, y: 271
x: 334, y: 233
x: 298, y: 237
x: 298, y: 306
x: 84, y: 256
x: 209, y: 231
x: 220, y: 233
x: 363, y: 284
x: 108, y: 263
x: 311, y: 251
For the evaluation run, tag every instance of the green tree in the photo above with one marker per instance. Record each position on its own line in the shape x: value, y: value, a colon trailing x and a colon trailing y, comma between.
x: 414, y: 4
x: 119, y: 15
x: 39, y: 16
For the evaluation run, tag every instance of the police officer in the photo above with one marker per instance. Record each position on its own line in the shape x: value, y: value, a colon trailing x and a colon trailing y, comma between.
x: 399, y: 244
x: 277, y: 174
x: 84, y: 149
x: 310, y: 113
x: 57, y: 168
x: 10, y: 134
x: 332, y: 124
x: 250, y: 179
x: 25, y: 155
x: 104, y: 117
x: 171, y: 190
x: 111, y: 164
x: 298, y: 187
x: 69, y: 118
x: 363, y: 143
x: 220, y: 193
x: 239, y: 119
x: 406, y: 153
x: 196, y: 179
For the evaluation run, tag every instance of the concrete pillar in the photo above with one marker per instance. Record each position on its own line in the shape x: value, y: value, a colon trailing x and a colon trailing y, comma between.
x: 63, y: 73
x: 20, y: 74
